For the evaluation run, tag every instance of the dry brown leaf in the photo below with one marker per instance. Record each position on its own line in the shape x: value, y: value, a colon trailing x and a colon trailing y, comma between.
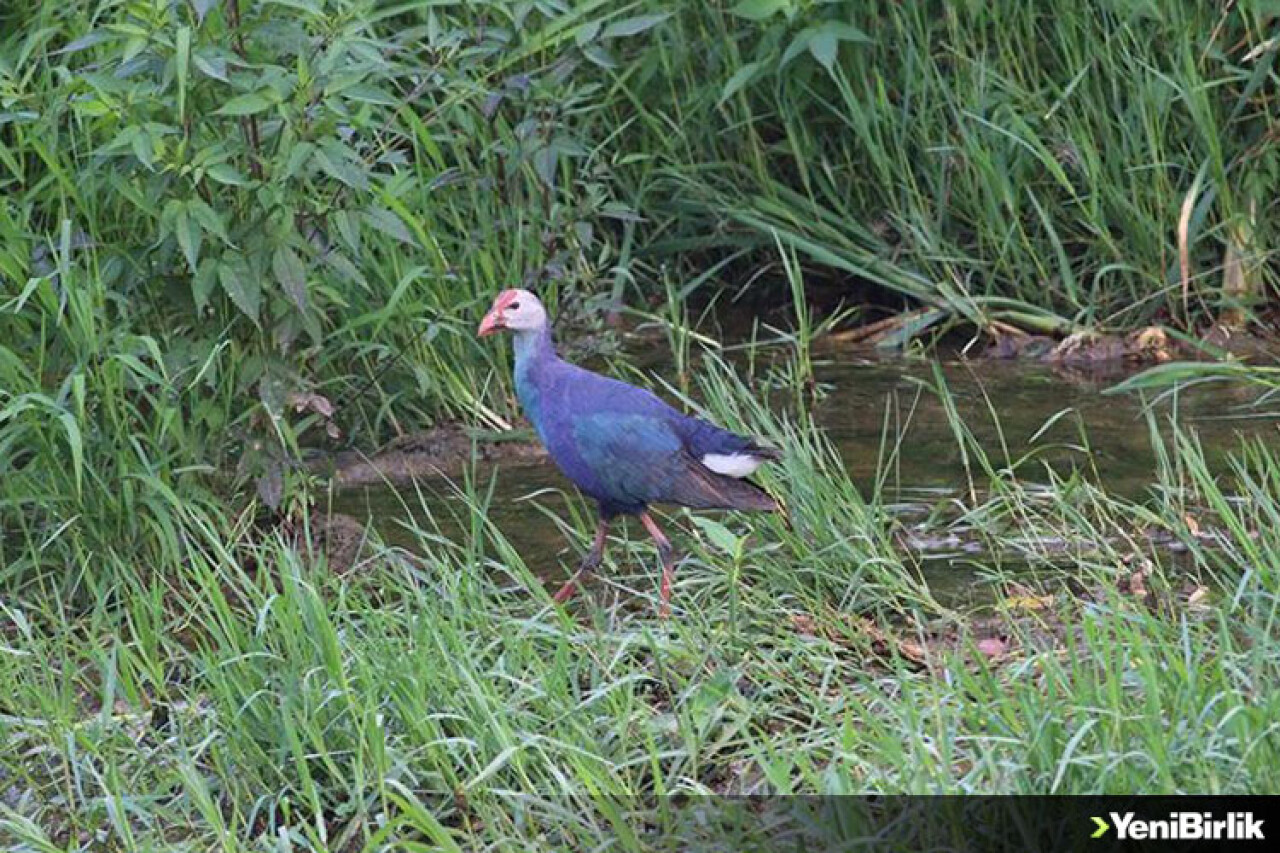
x: 1153, y: 343
x: 913, y: 651
x: 803, y: 624
x: 1199, y: 598
x: 886, y: 644
x: 306, y: 401
x: 993, y: 647
x: 1020, y: 597
x: 1029, y: 602
x: 1184, y: 244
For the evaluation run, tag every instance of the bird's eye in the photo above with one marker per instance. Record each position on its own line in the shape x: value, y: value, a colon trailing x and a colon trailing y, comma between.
x: 514, y: 306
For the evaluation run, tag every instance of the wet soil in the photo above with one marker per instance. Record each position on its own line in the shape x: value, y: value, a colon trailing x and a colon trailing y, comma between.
x: 442, y: 451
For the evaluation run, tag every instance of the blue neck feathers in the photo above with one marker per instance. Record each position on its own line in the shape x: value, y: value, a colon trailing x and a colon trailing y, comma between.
x: 533, y: 346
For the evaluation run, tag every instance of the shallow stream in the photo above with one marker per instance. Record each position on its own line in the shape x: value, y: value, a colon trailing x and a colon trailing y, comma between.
x: 866, y: 406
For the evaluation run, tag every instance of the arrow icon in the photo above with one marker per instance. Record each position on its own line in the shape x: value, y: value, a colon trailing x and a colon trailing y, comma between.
x: 1102, y: 828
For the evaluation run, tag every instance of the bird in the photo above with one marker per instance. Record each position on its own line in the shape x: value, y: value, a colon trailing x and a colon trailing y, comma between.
x: 621, y: 445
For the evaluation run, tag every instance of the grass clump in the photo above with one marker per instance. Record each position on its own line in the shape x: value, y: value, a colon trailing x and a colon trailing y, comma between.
x: 433, y: 694
x: 1089, y: 166
x: 230, y: 232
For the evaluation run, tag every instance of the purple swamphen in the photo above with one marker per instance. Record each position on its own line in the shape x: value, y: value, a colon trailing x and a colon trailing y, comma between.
x: 620, y: 444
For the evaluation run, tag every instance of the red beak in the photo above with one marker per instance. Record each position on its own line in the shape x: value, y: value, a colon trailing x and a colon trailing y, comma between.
x: 491, y: 323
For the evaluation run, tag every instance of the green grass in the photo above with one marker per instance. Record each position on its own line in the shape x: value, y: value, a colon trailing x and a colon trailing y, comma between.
x: 997, y: 161
x: 240, y: 689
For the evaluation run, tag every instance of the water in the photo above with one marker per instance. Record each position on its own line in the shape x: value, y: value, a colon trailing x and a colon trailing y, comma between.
x: 867, y: 404
x: 1024, y: 397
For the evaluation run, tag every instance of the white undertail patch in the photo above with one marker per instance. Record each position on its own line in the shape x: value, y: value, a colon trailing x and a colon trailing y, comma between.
x: 732, y: 464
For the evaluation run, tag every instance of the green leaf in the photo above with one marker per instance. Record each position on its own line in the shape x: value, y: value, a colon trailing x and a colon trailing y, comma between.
x: 633, y: 26
x: 824, y: 46
x: 121, y: 140
x: 202, y: 8
x: 348, y: 228
x: 273, y: 392
x: 188, y: 233
x: 168, y: 217
x: 823, y: 42
x: 914, y: 325
x: 367, y: 94
x: 419, y: 819
x: 333, y: 159
x: 143, y: 149
x: 239, y: 284
x: 721, y: 537
x: 568, y: 146
x: 211, y: 66
x: 758, y: 10
x: 586, y: 33
x: 343, y: 266
x: 291, y: 274
x: 798, y: 46
x: 245, y: 105
x: 76, y: 442
x: 132, y: 48
x: 86, y: 42
x: 70, y: 426
x: 208, y: 219
x: 600, y: 56
x: 311, y: 8
x: 1176, y: 373
x: 846, y: 32
x: 182, y: 60
x: 299, y: 155
x: 545, y: 161
x: 225, y: 173
x: 740, y: 78
x: 202, y: 285
x: 389, y: 223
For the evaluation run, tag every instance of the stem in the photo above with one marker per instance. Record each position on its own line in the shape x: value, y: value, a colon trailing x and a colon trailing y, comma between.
x: 248, y: 124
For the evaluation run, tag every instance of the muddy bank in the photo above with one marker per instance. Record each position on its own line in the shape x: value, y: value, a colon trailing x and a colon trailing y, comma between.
x: 442, y: 451
x: 1136, y: 350
x: 1116, y: 352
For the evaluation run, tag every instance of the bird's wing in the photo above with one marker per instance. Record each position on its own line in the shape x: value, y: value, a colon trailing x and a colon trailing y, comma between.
x: 641, y: 459
x: 636, y: 457
x: 703, y: 439
x: 593, y: 393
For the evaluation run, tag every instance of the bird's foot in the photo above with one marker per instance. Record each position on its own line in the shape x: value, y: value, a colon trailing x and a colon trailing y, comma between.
x: 589, y: 565
x: 664, y: 592
x: 566, y: 592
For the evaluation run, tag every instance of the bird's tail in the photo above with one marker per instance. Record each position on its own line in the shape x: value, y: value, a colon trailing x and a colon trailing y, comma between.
x: 705, y: 489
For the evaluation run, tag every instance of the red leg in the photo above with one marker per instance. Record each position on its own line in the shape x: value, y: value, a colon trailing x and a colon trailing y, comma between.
x: 589, y: 563
x: 666, y: 555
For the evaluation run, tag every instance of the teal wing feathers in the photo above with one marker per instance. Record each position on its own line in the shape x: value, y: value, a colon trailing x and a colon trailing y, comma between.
x: 640, y: 459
